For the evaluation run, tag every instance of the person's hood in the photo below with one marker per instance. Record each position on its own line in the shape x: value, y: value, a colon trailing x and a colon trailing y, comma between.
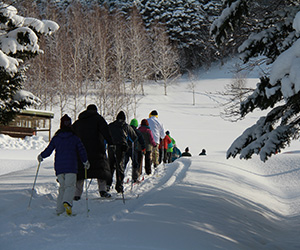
x: 119, y: 123
x: 86, y: 114
x: 121, y: 116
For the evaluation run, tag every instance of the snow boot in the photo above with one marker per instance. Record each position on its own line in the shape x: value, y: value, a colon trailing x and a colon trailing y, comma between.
x: 105, y: 194
x: 119, y: 188
x: 68, y: 208
x: 76, y: 198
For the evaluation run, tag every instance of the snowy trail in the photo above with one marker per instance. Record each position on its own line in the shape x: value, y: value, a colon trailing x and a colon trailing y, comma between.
x: 193, y: 197
x: 24, y: 224
x: 251, y: 197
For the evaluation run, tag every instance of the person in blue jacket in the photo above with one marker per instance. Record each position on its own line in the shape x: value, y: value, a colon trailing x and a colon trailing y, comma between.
x: 176, y: 153
x: 67, y: 147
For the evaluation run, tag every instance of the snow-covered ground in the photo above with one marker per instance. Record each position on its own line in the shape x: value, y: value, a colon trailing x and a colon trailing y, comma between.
x: 202, y: 202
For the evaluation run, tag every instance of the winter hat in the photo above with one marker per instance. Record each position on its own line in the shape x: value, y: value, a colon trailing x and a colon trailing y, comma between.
x: 65, y: 121
x: 145, y: 122
x: 168, y: 132
x: 91, y: 107
x: 153, y: 113
x: 187, y: 149
x: 121, y: 116
x: 134, y: 122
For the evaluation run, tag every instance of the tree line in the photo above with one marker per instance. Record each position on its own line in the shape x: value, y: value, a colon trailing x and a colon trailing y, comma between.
x: 112, y: 74
x: 98, y: 56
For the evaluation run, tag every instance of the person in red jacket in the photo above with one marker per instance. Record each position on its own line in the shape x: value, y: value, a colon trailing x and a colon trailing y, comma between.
x: 149, y: 143
x: 165, y: 142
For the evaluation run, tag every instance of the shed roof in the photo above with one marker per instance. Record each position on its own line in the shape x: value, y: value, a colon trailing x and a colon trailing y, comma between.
x: 38, y: 113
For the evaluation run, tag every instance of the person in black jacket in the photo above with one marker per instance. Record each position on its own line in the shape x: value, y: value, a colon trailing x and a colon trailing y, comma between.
x: 121, y: 133
x: 92, y: 129
x: 186, y: 152
x: 132, y: 151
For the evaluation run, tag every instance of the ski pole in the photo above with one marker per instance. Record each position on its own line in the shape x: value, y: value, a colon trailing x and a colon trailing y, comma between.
x: 133, y: 165
x: 86, y: 193
x: 34, y: 184
x: 89, y: 184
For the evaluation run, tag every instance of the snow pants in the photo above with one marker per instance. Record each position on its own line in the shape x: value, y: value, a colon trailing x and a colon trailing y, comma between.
x: 169, y: 157
x: 155, y: 156
x: 117, y: 164
x: 79, y: 186
x: 66, y: 190
x: 133, y: 155
x: 147, y: 162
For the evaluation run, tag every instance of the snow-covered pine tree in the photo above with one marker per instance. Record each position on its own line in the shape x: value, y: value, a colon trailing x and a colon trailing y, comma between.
x: 275, y: 36
x: 18, y: 43
x: 187, y: 26
x: 186, y: 22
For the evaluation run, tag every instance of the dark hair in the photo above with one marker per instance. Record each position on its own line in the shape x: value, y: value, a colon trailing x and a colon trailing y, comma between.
x: 145, y: 122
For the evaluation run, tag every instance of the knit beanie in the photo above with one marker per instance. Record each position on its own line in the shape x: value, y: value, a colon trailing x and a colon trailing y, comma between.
x: 121, y: 116
x: 91, y: 107
x: 134, y: 122
x: 65, y: 121
x: 153, y: 113
x: 145, y: 122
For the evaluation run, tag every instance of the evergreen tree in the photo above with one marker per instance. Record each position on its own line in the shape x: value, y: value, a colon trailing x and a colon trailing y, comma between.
x: 187, y: 26
x: 275, y: 36
x: 18, y: 43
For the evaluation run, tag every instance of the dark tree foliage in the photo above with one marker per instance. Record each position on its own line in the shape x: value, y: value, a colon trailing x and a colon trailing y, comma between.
x: 187, y: 21
x: 274, y: 37
x: 18, y: 43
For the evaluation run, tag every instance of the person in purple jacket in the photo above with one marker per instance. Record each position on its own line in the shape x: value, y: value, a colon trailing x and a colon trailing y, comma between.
x: 67, y: 147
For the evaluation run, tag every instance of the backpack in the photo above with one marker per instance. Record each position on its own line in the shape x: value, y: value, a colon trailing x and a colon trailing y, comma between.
x: 119, y: 133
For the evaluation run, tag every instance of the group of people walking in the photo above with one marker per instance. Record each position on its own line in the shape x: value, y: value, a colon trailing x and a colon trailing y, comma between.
x: 90, y: 137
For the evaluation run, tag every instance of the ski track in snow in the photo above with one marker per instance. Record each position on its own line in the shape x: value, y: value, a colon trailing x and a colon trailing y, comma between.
x: 45, y: 194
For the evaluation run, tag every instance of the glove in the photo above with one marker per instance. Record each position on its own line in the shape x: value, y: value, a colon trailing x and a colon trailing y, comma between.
x: 86, y: 165
x: 40, y: 158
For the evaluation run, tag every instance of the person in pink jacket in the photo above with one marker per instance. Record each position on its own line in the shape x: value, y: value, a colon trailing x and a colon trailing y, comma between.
x: 149, y: 143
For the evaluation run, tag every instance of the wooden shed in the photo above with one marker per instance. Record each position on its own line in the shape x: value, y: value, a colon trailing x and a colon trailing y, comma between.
x: 29, y: 122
